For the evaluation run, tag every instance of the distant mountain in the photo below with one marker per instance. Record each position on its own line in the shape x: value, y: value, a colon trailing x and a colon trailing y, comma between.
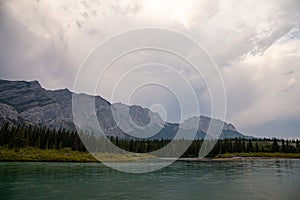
x: 28, y: 102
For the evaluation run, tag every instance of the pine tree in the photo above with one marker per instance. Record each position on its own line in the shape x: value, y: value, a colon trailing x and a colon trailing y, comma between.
x: 250, y: 147
x: 275, y: 147
x: 256, y: 147
x: 4, y: 134
x: 297, y: 146
x: 283, y: 147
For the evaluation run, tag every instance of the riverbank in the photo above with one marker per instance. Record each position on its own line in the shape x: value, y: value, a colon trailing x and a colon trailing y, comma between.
x: 260, y: 155
x: 246, y: 156
x: 65, y: 155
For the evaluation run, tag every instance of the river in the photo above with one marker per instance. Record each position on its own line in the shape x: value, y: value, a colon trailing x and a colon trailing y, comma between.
x: 249, y: 179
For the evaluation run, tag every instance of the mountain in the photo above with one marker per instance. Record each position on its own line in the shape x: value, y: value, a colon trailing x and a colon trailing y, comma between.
x: 27, y: 102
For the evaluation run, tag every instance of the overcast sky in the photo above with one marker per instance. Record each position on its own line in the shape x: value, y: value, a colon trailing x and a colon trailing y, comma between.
x: 256, y: 47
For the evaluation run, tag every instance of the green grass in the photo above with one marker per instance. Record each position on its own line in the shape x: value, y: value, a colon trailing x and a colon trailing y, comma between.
x: 261, y: 155
x: 65, y: 155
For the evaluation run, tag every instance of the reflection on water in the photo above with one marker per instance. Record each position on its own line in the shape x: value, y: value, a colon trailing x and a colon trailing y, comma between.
x: 256, y: 179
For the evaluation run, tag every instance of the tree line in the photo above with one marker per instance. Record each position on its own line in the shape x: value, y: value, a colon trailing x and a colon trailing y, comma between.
x: 41, y: 137
x: 22, y: 136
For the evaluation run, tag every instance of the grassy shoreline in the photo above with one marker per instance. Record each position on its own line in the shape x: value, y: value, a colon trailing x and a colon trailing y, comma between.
x: 260, y: 155
x: 246, y: 156
x: 31, y: 154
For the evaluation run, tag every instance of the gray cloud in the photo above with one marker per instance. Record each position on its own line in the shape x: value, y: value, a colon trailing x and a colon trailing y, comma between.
x: 255, y: 45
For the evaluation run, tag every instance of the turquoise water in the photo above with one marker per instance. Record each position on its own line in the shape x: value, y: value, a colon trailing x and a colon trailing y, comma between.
x: 258, y: 179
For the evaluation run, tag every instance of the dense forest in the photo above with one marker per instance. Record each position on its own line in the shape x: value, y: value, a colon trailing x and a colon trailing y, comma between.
x: 21, y: 136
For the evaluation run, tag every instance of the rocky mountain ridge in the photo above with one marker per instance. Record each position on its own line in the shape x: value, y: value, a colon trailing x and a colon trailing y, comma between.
x: 28, y: 102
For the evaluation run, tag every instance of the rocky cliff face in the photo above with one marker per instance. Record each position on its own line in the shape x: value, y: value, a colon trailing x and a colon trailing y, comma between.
x: 28, y: 102
x: 8, y: 114
x: 35, y: 105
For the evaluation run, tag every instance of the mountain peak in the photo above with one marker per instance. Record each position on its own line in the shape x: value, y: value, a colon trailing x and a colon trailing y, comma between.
x: 29, y: 102
x: 35, y: 84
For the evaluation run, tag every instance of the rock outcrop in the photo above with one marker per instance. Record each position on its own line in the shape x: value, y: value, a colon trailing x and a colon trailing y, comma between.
x: 28, y: 102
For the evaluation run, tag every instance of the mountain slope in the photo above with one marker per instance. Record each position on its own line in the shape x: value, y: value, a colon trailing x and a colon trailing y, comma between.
x: 28, y: 102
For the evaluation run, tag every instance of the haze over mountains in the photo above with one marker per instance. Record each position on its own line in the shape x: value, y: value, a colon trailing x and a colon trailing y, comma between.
x: 28, y: 102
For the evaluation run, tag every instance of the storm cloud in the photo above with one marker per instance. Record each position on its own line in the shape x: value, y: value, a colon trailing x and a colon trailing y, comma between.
x: 256, y: 47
